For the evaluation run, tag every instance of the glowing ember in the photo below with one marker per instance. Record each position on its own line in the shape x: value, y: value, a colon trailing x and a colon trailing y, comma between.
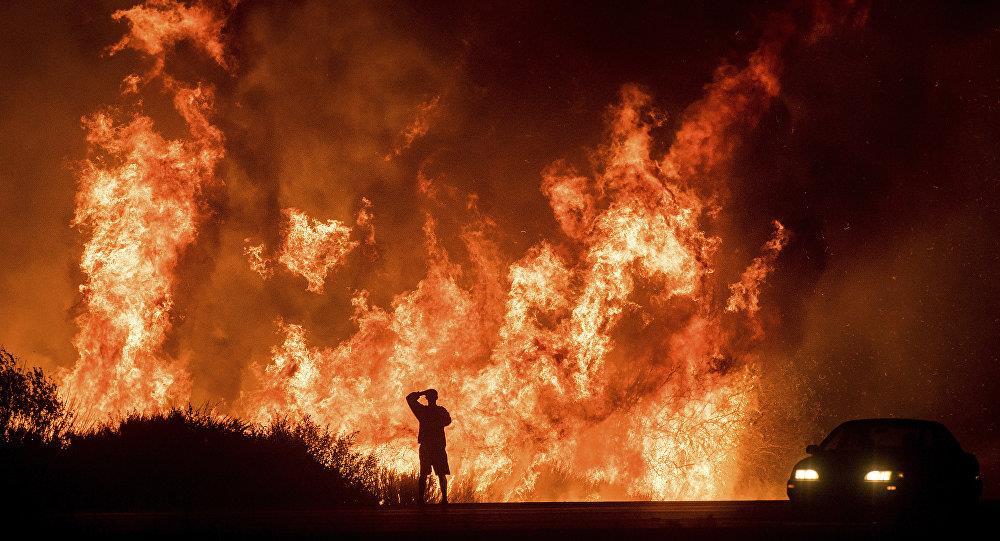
x: 258, y: 262
x: 365, y: 221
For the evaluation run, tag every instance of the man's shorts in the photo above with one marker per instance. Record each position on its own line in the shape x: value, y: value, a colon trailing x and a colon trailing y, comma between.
x: 433, y: 457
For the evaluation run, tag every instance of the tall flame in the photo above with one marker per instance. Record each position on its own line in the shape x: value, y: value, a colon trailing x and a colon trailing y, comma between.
x: 138, y: 199
x: 602, y: 364
x: 530, y: 361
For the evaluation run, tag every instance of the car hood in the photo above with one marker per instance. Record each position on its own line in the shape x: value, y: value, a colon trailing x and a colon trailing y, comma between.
x: 853, y: 465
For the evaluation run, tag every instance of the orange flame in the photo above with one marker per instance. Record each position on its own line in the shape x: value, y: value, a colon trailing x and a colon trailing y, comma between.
x: 138, y: 199
x: 258, y: 262
x: 600, y: 365
x: 157, y: 25
x: 745, y: 294
x: 545, y: 386
x: 312, y: 248
x: 417, y: 128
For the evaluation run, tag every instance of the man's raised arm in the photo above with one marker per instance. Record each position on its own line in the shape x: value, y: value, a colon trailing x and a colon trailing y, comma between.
x: 411, y: 400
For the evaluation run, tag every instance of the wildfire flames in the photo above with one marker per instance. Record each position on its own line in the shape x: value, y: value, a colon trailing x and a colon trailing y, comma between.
x: 138, y: 198
x: 610, y: 354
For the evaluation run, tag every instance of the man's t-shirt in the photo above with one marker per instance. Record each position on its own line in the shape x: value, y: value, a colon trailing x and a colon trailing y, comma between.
x: 432, y: 419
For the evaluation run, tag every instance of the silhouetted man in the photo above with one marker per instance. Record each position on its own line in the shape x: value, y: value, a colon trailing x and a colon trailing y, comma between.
x: 433, y: 419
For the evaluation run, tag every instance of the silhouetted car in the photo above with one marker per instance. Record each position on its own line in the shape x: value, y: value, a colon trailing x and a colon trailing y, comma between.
x: 886, y: 461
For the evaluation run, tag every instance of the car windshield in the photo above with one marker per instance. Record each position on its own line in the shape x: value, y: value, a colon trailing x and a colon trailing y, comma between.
x: 865, y: 436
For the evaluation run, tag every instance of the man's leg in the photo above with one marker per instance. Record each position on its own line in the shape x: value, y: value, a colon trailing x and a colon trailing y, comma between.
x: 425, y: 471
x: 443, y: 483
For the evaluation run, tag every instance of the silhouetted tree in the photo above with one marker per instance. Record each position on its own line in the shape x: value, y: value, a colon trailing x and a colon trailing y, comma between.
x: 31, y: 412
x: 34, y: 427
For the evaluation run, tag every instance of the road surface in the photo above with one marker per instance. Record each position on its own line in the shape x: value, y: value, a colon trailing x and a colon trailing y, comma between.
x: 742, y: 520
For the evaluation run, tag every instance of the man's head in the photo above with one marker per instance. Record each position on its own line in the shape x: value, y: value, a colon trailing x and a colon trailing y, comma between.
x: 432, y: 396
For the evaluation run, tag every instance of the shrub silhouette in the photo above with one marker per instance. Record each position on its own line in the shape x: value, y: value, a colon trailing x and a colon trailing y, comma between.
x: 34, y: 426
x: 188, y: 459
x: 180, y: 460
x: 31, y: 413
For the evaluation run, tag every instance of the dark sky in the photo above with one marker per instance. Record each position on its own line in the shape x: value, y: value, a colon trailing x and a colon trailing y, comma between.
x: 880, y: 155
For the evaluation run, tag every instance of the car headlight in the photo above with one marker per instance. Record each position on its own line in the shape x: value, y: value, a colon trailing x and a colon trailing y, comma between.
x: 806, y: 475
x: 878, y: 475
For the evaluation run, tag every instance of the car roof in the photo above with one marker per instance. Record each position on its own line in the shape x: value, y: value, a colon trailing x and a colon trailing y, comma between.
x: 895, y: 421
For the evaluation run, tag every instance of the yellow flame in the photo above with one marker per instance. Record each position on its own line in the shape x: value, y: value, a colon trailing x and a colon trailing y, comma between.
x: 137, y: 199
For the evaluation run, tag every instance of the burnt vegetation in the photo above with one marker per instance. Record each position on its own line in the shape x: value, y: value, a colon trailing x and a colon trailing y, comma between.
x: 184, y: 459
